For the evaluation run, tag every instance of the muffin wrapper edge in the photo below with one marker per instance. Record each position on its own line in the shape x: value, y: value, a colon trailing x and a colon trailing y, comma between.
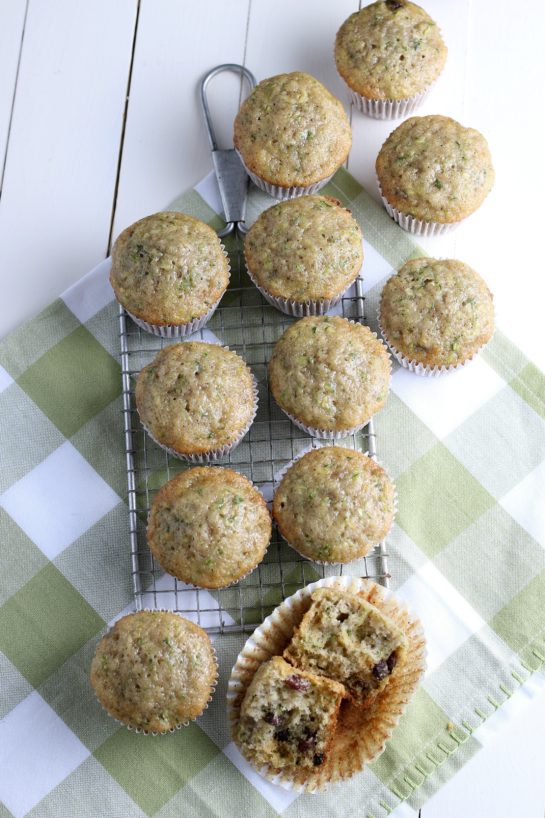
x: 282, y: 193
x: 361, y: 732
x: 418, y: 227
x: 423, y: 369
x: 386, y: 108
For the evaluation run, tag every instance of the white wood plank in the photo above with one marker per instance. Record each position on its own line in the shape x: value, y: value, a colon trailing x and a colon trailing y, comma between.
x: 61, y: 166
x: 12, y: 15
x: 165, y: 148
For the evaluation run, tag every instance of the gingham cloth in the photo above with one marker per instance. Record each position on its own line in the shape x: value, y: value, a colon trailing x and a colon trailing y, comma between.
x: 467, y: 452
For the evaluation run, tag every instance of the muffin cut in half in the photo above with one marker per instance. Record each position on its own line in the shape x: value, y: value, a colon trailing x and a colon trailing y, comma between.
x: 345, y: 638
x: 209, y: 526
x: 154, y: 671
x: 288, y: 717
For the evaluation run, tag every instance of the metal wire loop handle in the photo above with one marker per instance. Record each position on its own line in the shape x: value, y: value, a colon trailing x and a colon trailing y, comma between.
x: 205, y: 82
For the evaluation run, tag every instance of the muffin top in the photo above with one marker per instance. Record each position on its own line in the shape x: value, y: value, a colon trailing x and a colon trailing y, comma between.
x: 329, y: 373
x: 304, y: 249
x: 334, y: 504
x: 154, y: 671
x: 209, y: 526
x: 168, y: 268
x: 292, y: 131
x: 195, y: 397
x: 389, y: 50
x: 433, y: 168
x: 437, y: 312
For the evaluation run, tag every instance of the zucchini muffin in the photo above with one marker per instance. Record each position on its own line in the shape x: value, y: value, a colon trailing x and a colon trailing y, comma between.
x: 436, y: 314
x: 196, y: 400
x: 433, y: 173
x: 304, y: 253
x: 389, y: 54
x: 209, y: 527
x: 334, y: 505
x: 169, y: 271
x: 288, y: 717
x: 154, y: 671
x: 329, y: 375
x: 292, y: 134
x: 344, y: 637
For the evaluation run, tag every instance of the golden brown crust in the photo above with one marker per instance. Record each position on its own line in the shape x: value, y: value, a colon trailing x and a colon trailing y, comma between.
x: 434, y: 169
x: 334, y: 504
x: 291, y: 131
x: 154, y: 670
x: 168, y: 268
x: 196, y: 397
x: 437, y: 312
x: 209, y: 526
x: 389, y: 51
x: 304, y: 249
x: 329, y: 373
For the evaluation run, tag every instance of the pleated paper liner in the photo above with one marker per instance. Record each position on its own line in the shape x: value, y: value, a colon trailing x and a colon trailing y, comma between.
x: 182, y: 724
x: 181, y: 330
x: 419, y: 368
x: 280, y: 192
x: 417, y: 227
x: 386, y: 108
x: 282, y: 473
x: 361, y: 733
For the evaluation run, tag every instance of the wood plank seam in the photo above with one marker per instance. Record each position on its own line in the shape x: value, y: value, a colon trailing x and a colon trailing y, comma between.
x: 123, y: 127
x: 12, y: 108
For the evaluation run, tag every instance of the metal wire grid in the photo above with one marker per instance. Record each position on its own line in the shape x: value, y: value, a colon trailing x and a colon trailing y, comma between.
x: 248, y: 325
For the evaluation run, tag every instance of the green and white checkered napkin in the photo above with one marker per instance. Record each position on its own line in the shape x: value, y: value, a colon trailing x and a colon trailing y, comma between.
x: 468, y: 455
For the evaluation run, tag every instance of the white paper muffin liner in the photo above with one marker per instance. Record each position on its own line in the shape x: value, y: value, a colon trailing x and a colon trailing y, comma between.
x: 182, y: 724
x: 417, y: 227
x: 182, y: 330
x: 299, y: 309
x: 213, y: 454
x: 283, y: 193
x: 419, y: 368
x: 386, y: 108
x: 361, y: 733
x: 282, y: 473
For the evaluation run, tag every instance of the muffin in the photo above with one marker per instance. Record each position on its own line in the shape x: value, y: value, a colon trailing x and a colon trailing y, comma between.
x: 169, y: 271
x: 329, y: 375
x: 209, y: 527
x: 436, y: 314
x: 154, y: 671
x: 389, y: 54
x: 303, y: 254
x: 361, y: 731
x: 433, y: 172
x: 288, y: 717
x: 334, y: 505
x: 344, y: 637
x: 292, y: 134
x: 196, y: 400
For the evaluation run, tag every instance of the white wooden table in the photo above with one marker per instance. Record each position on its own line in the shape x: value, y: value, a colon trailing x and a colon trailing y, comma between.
x: 100, y: 125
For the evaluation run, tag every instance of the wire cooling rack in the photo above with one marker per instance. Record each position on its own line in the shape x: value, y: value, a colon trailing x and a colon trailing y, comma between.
x: 248, y: 325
